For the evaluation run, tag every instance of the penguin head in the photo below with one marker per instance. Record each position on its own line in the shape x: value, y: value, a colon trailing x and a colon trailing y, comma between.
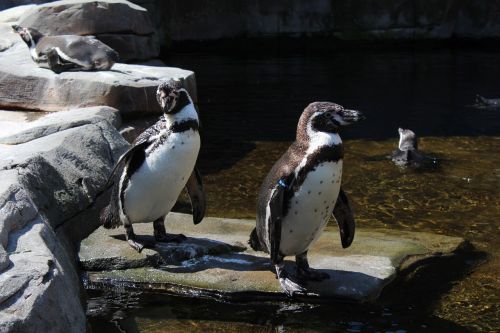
x: 29, y: 35
x: 329, y: 117
x: 168, y: 94
x: 407, y: 139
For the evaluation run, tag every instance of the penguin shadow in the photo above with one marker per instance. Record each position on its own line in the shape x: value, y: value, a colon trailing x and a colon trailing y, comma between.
x: 196, y: 254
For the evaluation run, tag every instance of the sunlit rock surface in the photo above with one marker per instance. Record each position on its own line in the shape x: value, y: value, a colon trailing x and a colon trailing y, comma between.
x: 359, y: 273
x: 51, y: 174
x: 122, y: 25
x: 129, y: 88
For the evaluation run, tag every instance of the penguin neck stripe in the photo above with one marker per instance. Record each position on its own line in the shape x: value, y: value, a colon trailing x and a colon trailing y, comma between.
x: 184, y: 126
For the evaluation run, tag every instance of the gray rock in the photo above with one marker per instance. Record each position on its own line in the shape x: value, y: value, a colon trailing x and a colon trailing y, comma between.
x: 88, y: 17
x: 13, y: 14
x: 132, y: 47
x: 129, y: 88
x: 123, y: 26
x: 359, y: 273
x: 56, y: 122
x: 40, y: 291
x: 54, y: 173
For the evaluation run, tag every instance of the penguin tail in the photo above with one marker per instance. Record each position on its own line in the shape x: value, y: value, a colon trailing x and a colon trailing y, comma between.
x: 254, y: 241
x: 108, y: 219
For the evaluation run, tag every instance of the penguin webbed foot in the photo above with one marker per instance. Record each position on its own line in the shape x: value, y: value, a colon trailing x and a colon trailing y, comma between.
x: 310, y: 274
x: 162, y: 236
x: 306, y: 273
x: 138, y: 246
x: 170, y: 238
x: 291, y: 288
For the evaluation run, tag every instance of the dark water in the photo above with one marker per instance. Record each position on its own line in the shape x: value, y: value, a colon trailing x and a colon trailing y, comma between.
x: 250, y: 104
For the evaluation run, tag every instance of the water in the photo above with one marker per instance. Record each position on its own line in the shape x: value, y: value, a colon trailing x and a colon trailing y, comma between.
x: 249, y: 107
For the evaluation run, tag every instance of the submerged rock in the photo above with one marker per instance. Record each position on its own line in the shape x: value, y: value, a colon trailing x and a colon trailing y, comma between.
x: 359, y: 273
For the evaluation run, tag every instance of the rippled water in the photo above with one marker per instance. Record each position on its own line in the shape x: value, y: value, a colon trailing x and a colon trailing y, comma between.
x: 250, y: 105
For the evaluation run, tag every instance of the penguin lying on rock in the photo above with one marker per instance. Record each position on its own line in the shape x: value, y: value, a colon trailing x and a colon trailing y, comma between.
x: 67, y: 52
x: 407, y: 153
x: 301, y: 192
x: 148, y: 178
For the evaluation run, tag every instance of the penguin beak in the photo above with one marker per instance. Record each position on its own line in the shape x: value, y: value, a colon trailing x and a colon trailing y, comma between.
x: 352, y: 116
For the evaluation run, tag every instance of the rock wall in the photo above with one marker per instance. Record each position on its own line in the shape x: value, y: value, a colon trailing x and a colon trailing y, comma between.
x: 346, y: 20
x: 187, y: 20
x: 51, y: 176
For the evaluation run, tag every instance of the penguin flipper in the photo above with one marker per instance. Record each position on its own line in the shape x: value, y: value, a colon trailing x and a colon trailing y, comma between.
x: 345, y: 219
x: 125, y: 157
x: 196, y: 194
x: 275, y: 218
x: 56, y: 63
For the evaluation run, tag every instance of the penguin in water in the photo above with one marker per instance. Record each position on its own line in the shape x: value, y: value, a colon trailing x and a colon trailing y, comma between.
x: 148, y: 178
x: 407, y: 153
x: 67, y: 52
x: 486, y: 103
x: 301, y: 192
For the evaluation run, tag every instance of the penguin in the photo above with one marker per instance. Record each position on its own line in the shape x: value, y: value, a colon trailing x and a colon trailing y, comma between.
x: 486, y: 103
x: 67, y: 52
x: 302, y: 191
x: 407, y: 153
x: 148, y: 178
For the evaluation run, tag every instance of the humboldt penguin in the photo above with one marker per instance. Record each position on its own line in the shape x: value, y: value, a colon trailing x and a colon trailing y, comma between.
x: 407, y: 153
x: 302, y: 191
x: 67, y: 52
x: 486, y: 103
x: 148, y: 178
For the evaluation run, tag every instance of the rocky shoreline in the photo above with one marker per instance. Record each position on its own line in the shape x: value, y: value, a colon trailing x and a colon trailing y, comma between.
x: 53, y: 165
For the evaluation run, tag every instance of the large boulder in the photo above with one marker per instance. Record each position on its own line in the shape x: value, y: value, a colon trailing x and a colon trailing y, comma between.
x: 87, y: 17
x: 129, y: 88
x: 122, y: 25
x: 51, y: 176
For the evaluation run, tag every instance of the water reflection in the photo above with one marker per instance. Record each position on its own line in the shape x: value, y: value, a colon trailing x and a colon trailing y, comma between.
x: 161, y: 313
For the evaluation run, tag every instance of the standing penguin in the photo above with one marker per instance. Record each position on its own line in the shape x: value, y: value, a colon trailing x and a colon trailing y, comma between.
x: 67, y: 52
x: 149, y: 177
x: 302, y: 190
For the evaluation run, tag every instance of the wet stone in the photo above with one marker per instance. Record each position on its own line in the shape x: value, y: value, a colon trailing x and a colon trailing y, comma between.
x: 213, y: 262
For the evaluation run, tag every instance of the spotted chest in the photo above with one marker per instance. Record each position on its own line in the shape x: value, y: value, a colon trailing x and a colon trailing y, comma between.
x: 310, y: 208
x: 154, y: 188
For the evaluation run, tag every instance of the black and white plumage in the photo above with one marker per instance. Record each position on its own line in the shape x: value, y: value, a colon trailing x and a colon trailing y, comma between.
x: 301, y: 192
x: 407, y: 153
x: 148, y: 178
x: 67, y: 52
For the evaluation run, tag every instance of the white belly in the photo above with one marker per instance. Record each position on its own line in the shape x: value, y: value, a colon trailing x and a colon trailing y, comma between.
x: 154, y: 188
x: 310, y: 209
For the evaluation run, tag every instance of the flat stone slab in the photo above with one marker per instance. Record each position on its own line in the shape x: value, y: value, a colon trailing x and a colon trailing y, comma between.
x: 359, y: 273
